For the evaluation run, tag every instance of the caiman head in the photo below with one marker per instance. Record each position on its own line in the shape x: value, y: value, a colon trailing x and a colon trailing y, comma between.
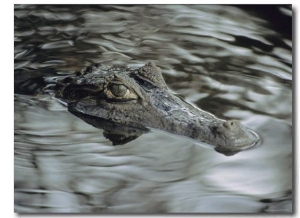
x: 140, y: 98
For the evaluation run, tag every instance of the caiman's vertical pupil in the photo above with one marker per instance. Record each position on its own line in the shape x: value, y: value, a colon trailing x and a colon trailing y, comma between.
x: 118, y: 90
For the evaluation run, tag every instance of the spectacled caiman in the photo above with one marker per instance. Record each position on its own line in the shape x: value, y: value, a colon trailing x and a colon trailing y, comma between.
x: 139, y: 98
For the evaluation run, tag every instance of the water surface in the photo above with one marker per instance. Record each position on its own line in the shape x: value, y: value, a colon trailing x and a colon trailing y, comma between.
x: 235, y: 62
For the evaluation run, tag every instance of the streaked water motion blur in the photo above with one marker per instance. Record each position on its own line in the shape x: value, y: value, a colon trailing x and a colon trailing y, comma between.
x: 233, y: 61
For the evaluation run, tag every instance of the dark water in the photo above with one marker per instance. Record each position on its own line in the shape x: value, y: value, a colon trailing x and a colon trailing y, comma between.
x: 235, y: 62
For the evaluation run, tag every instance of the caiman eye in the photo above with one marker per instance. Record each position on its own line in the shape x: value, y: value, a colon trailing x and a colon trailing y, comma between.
x: 117, y: 90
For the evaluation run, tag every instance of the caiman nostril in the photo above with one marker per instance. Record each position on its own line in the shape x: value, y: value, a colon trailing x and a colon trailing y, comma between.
x: 230, y: 124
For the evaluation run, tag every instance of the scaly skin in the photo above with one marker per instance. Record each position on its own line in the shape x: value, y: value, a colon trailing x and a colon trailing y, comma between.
x: 140, y: 97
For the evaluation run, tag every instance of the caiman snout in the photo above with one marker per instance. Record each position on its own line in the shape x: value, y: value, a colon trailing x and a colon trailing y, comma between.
x: 233, y: 134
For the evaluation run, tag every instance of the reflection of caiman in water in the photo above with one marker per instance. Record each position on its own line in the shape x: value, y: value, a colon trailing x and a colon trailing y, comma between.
x: 125, y: 101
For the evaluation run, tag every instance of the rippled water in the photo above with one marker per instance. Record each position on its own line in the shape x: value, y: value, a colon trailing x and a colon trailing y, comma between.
x: 235, y: 62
